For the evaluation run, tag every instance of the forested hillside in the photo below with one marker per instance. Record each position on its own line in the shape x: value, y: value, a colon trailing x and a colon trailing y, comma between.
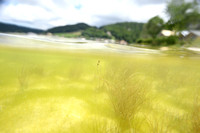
x: 4, y: 27
x: 128, y: 31
x: 69, y: 28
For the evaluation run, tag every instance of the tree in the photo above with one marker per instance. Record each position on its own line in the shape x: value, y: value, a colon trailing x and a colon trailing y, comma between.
x: 154, y: 26
x: 182, y: 15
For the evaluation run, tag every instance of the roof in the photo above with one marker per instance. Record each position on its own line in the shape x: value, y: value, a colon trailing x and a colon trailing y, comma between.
x: 185, y: 33
x: 195, y: 32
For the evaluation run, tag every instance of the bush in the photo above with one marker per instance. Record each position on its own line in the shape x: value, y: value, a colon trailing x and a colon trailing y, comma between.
x: 139, y: 41
x: 171, y: 40
x: 145, y: 41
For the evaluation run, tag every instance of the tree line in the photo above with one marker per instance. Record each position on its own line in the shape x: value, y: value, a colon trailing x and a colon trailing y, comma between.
x: 182, y: 15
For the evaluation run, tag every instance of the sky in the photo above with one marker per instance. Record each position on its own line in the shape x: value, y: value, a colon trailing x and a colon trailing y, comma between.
x: 44, y: 14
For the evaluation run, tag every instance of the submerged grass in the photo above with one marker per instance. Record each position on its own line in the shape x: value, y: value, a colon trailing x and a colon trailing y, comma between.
x: 126, y: 95
x: 84, y: 92
x: 195, y: 117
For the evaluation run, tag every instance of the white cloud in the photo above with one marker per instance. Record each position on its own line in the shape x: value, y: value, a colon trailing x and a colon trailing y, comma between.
x: 48, y: 13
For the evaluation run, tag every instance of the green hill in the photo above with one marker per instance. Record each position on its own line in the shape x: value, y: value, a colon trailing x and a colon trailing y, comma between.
x: 4, y: 27
x: 128, y: 31
x: 95, y: 33
x: 69, y: 28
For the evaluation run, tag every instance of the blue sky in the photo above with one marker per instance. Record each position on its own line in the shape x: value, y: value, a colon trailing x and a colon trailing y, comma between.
x: 44, y: 14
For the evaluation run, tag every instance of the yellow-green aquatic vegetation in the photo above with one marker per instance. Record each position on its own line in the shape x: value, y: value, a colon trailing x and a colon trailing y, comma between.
x: 23, y: 78
x: 127, y: 95
x: 159, y: 124
x: 95, y: 125
x: 140, y: 94
x: 195, y: 117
